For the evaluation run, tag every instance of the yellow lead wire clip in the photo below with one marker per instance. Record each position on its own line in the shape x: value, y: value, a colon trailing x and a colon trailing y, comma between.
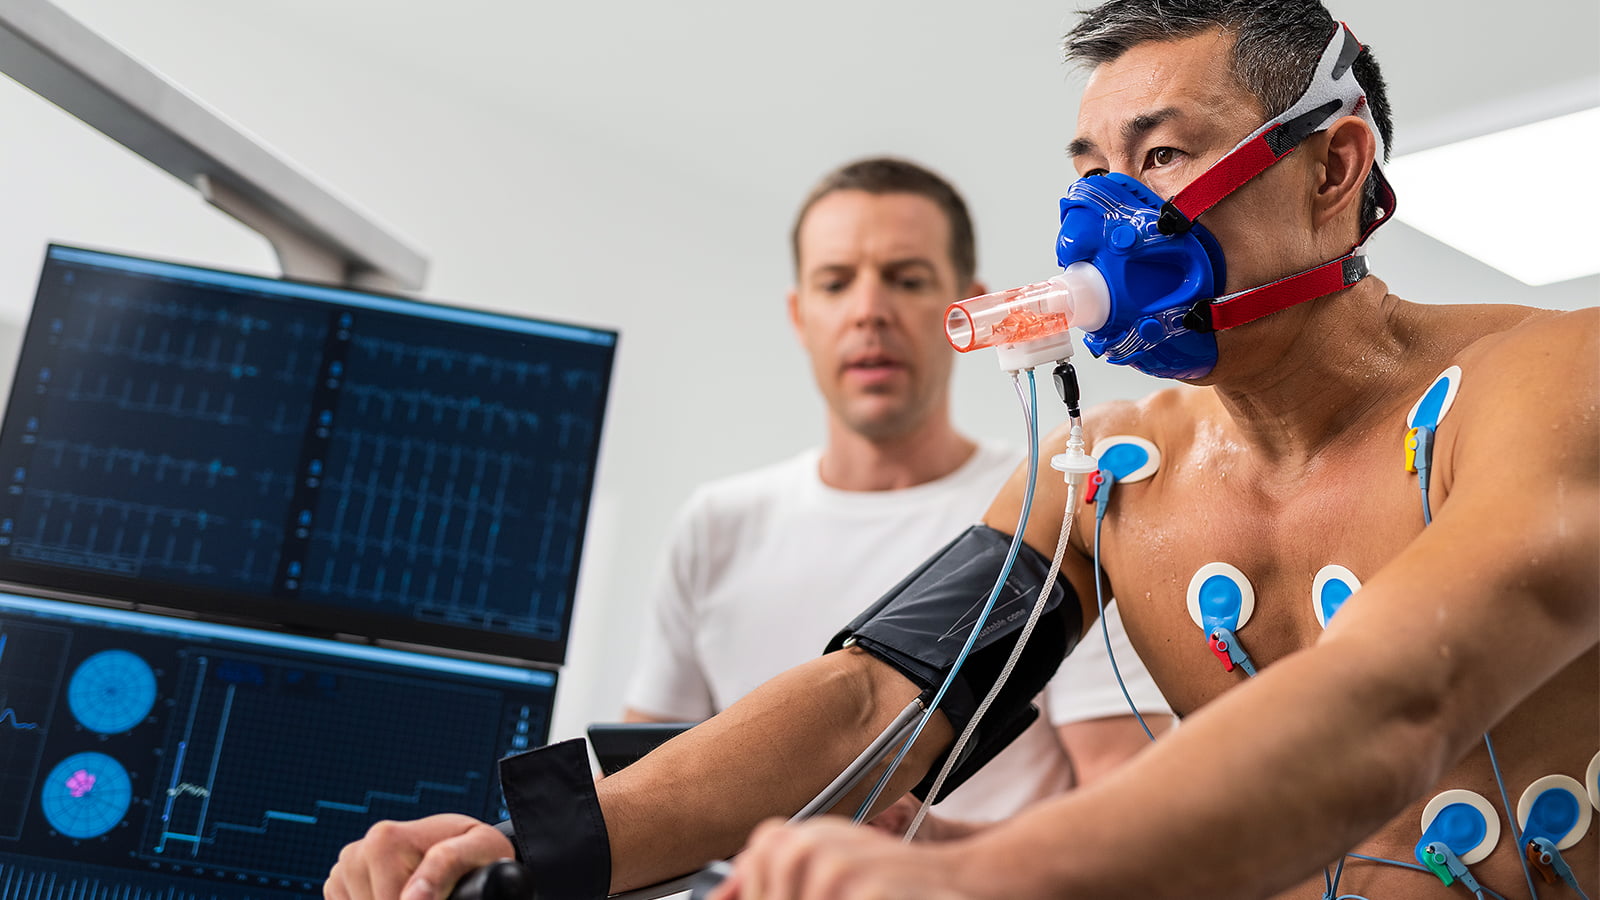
x: 1411, y: 450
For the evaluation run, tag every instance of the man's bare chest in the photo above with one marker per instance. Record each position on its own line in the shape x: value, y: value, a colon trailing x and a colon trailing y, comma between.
x: 1271, y: 559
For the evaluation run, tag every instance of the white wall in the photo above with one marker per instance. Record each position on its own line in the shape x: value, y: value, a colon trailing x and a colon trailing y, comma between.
x: 636, y: 165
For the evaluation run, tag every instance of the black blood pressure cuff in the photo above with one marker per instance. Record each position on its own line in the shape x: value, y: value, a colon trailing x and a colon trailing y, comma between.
x: 555, y: 821
x: 920, y: 626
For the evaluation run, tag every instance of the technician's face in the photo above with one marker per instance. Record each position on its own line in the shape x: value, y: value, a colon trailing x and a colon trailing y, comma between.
x: 1165, y: 111
x: 875, y: 278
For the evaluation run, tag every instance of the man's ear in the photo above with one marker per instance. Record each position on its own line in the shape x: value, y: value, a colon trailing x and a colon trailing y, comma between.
x: 1348, y: 151
x: 975, y: 289
x: 795, y: 319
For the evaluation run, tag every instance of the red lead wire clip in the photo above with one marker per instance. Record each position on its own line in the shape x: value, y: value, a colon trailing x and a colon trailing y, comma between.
x: 1095, y: 480
x: 1220, y: 648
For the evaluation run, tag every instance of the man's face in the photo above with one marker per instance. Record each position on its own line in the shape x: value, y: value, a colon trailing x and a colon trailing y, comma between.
x: 874, y: 279
x: 1165, y: 111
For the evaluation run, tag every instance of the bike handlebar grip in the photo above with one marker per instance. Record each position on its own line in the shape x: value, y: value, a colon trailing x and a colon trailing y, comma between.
x: 504, y: 879
x: 707, y: 879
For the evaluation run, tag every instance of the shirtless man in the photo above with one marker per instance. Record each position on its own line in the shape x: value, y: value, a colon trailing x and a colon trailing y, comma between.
x: 1287, y: 460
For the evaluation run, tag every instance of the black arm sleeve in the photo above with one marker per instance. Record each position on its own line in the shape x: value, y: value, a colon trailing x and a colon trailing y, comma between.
x: 920, y: 626
x: 555, y: 822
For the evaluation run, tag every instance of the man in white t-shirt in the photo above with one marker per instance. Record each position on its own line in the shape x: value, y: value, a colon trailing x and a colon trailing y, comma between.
x: 764, y: 567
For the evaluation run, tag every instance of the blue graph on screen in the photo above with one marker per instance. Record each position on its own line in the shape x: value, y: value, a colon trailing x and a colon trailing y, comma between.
x: 234, y: 791
x: 8, y: 716
x: 112, y: 691
x: 86, y: 795
x: 364, y: 808
x: 32, y: 658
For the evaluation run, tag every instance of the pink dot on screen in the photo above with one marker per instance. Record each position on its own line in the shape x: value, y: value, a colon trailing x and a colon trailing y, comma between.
x: 80, y: 783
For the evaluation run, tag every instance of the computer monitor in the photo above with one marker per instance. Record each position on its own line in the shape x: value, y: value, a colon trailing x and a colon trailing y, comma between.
x: 287, y: 454
x: 146, y: 757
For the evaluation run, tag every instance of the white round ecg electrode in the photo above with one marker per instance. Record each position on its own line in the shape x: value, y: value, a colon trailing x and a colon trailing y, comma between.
x: 1128, y: 457
x: 1570, y: 785
x: 1591, y: 781
x: 1430, y: 408
x: 1330, y: 589
x: 1491, y: 820
x: 1219, y: 592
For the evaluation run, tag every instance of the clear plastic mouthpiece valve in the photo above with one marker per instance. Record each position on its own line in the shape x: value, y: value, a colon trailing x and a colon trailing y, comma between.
x: 1045, y: 309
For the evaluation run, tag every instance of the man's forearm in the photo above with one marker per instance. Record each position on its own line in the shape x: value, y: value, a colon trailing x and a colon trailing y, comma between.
x: 697, y: 797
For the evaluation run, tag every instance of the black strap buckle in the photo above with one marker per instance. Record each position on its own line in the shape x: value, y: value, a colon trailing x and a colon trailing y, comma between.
x: 1172, y: 220
x: 1198, y: 318
x: 1354, y: 269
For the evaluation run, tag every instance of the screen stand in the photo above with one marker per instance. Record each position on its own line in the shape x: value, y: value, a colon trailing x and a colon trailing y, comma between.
x: 317, y: 234
x: 299, y: 256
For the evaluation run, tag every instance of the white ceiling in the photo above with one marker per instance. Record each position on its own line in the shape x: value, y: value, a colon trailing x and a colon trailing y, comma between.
x: 660, y: 60
x: 753, y: 100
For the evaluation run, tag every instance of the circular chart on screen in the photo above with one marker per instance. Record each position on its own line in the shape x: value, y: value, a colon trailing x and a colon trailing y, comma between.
x: 112, y: 691
x: 86, y: 795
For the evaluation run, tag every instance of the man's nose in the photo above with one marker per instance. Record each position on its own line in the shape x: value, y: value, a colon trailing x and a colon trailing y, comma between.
x: 870, y: 303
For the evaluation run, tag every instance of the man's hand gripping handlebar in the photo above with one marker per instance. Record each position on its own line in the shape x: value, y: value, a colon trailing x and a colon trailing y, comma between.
x: 416, y: 860
x: 509, y: 880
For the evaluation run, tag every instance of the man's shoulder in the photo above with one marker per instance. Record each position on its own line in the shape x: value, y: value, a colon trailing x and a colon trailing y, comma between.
x: 1151, y: 417
x: 994, y: 460
x: 727, y: 514
x: 764, y: 480
x: 1514, y: 337
x: 754, y: 488
x: 1545, y: 359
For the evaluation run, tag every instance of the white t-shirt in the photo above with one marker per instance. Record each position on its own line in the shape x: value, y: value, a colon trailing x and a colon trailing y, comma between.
x: 765, y: 567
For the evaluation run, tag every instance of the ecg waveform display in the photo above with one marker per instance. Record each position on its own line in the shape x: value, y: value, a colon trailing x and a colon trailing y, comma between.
x: 333, y: 460
x: 158, y: 440
x: 450, y: 491
x: 225, y: 760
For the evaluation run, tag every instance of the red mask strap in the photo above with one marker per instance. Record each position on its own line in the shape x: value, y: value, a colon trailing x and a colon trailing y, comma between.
x: 1333, y: 92
x: 1243, y: 163
x: 1249, y: 305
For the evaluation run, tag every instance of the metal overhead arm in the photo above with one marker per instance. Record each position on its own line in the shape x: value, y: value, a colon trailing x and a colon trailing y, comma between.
x: 317, y: 235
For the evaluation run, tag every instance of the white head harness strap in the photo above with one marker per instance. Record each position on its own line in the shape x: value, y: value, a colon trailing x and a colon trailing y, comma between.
x: 1332, y: 94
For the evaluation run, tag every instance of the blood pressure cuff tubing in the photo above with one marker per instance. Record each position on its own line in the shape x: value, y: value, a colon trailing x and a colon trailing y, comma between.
x: 555, y: 821
x: 920, y: 626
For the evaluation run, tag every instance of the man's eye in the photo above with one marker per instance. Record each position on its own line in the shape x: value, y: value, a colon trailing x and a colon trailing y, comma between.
x: 1160, y: 156
x: 911, y: 284
x: 1095, y: 172
x: 833, y: 287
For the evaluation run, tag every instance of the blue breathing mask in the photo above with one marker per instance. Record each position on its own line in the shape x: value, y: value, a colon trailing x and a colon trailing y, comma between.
x: 1143, y: 280
x: 1164, y: 272
x: 1154, y: 279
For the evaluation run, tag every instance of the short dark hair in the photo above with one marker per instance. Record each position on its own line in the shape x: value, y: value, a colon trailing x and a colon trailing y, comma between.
x: 888, y: 175
x: 1276, y: 45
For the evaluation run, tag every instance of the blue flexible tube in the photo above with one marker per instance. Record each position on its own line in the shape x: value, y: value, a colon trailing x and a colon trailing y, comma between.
x: 1030, y: 411
x: 1511, y: 816
x: 1331, y: 885
x: 1105, y: 630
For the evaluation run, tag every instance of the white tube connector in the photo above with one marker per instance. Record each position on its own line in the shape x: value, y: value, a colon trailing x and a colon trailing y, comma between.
x: 1075, y: 465
x: 1034, y: 353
